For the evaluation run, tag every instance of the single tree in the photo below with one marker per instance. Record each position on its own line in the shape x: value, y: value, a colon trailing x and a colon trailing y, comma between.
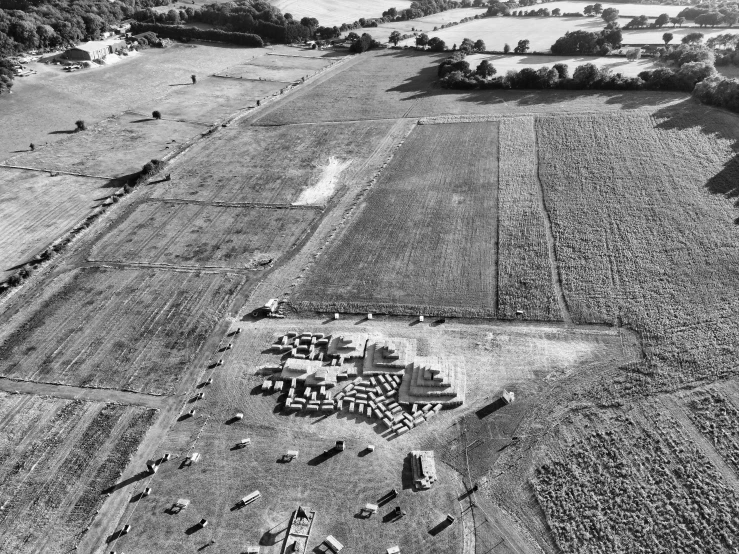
x: 662, y: 20
x: 395, y: 37
x: 33, y: 147
x: 194, y: 79
x: 351, y: 37
x: 597, y: 9
x: 609, y: 15
x: 156, y: 114
x: 693, y: 38
x: 588, y: 10
x: 80, y: 125
x: 436, y: 44
x: 422, y: 40
x: 556, y: 12
x: 485, y: 69
x: 730, y: 19
x: 507, y: 48
x: 667, y: 37
x: 677, y: 21
x: 522, y: 48
x: 479, y: 46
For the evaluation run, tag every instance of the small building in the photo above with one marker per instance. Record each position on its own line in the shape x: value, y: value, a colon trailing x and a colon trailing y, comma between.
x: 333, y: 544
x: 94, y: 50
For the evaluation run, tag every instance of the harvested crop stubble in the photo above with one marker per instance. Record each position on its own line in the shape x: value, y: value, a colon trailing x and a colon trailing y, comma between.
x: 203, y: 235
x: 644, y: 235
x: 270, y: 164
x: 56, y: 456
x: 117, y: 328
x: 425, y: 236
x: 718, y: 419
x: 524, y: 271
x: 638, y: 486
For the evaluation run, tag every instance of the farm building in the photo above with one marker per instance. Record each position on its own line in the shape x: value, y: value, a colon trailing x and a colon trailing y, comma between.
x: 388, y: 356
x: 94, y: 49
x: 424, y: 468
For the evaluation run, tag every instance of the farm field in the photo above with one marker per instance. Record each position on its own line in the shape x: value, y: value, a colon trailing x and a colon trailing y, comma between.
x: 625, y: 10
x: 423, y: 24
x: 56, y: 456
x: 409, y: 248
x: 654, y: 36
x: 336, y: 12
x: 503, y: 64
x: 402, y: 83
x: 645, y: 232
x: 180, y: 234
x: 496, y: 32
x: 116, y: 147
x: 634, y: 481
x: 36, y: 208
x: 44, y: 107
x: 716, y: 416
x: 274, y: 165
x: 525, y: 282
x: 337, y: 487
x: 116, y: 328
x: 277, y: 68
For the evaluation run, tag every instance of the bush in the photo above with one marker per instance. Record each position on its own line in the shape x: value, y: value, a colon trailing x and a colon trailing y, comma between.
x: 156, y: 114
x: 362, y: 45
x: 151, y: 167
x: 80, y: 125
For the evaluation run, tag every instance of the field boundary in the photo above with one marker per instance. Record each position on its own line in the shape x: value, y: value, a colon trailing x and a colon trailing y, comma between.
x: 220, y: 204
x: 89, y: 394
x: 58, y: 171
x: 117, y: 264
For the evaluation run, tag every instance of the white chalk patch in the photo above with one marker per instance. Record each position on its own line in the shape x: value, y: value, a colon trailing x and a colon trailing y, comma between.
x: 319, y: 193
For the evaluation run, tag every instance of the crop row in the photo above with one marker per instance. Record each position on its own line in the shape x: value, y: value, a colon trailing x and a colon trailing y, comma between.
x: 637, y: 487
x: 718, y: 419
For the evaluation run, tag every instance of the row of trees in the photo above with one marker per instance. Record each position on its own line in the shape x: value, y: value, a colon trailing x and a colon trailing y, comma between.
x: 586, y: 42
x: 193, y: 33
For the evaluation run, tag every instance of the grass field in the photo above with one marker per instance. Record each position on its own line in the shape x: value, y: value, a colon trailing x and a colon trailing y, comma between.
x: 271, y: 164
x: 503, y: 64
x: 524, y: 265
x: 36, y: 208
x: 496, y: 32
x: 423, y: 24
x: 654, y: 36
x: 412, y: 246
x: 117, y: 328
x: 336, y: 12
x: 115, y: 147
x: 339, y: 486
x: 277, y: 68
x: 645, y: 232
x: 393, y: 84
x: 56, y: 456
x: 53, y: 100
x: 625, y: 10
x: 202, y: 235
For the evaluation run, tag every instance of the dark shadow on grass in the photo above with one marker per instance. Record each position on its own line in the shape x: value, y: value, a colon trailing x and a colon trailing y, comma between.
x: 407, y: 475
x: 490, y: 408
x: 113, y: 536
x: 193, y: 529
x: 324, y: 456
x: 439, y: 528
x: 143, y: 120
x: 71, y: 132
x: 138, y: 477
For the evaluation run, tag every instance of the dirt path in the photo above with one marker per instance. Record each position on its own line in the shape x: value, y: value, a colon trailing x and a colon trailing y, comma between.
x: 82, y: 393
x: 556, y: 277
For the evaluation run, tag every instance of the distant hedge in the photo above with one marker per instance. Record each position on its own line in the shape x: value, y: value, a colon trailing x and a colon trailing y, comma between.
x: 214, y: 35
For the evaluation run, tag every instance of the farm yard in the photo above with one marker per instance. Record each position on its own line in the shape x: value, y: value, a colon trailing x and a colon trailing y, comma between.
x: 56, y: 456
x: 116, y: 328
x: 338, y: 486
x: 409, y: 249
x: 181, y: 234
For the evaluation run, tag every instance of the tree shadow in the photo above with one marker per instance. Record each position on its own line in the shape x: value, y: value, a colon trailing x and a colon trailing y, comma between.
x: 67, y: 132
